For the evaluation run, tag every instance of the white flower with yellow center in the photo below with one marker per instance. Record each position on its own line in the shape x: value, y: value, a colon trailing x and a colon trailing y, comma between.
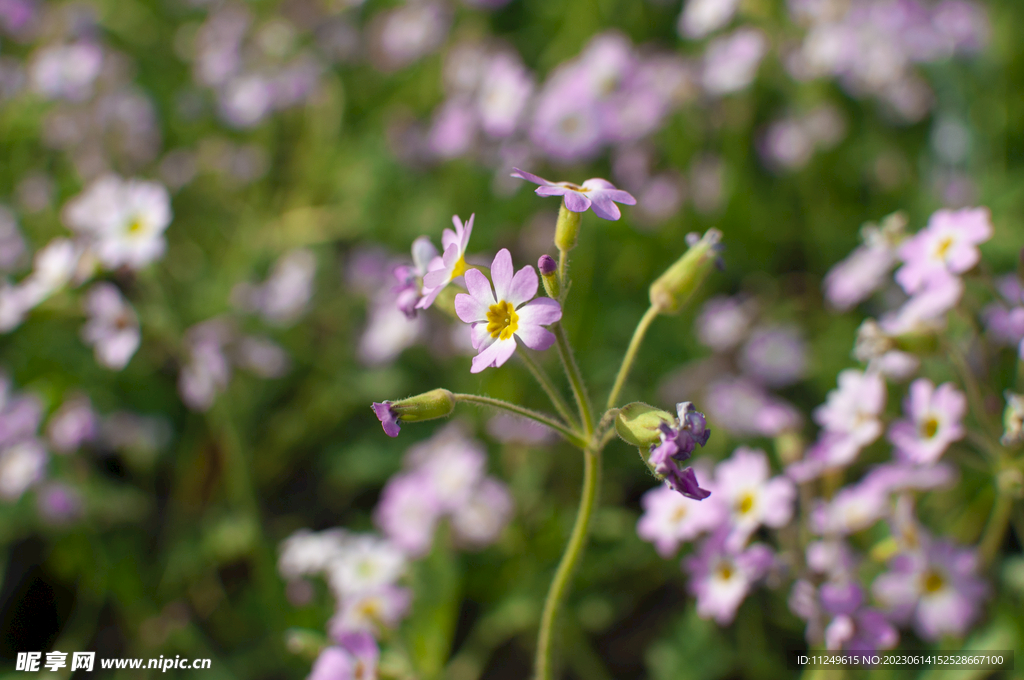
x: 451, y: 264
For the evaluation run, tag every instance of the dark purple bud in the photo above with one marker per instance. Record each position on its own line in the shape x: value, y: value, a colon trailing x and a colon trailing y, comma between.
x: 388, y: 418
x: 547, y: 266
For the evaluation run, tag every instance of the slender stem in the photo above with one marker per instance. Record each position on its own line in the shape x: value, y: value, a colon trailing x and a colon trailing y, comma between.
x: 995, y: 530
x: 974, y: 397
x: 541, y: 418
x: 571, y: 557
x: 631, y: 352
x: 572, y: 371
x: 549, y: 388
x: 563, y: 265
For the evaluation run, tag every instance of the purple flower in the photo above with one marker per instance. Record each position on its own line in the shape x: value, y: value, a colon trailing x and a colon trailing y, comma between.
x: 867, y: 268
x: 507, y: 312
x: 724, y: 322
x: 742, y: 483
x: 410, y: 278
x: 112, y: 328
x: 730, y: 62
x: 596, y: 193
x: 59, y: 503
x: 370, y: 611
x: 451, y: 264
x: 743, y: 407
x: 72, y: 424
x: 671, y: 519
x: 678, y: 441
x: 864, y: 630
x: 926, y: 309
x: 934, y: 422
x: 947, y: 246
x: 355, y: 658
x: 408, y: 512
x: 480, y: 519
x: 775, y: 355
x: 721, y: 578
x: 936, y: 587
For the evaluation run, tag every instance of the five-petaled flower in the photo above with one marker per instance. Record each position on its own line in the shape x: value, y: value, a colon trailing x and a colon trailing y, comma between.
x: 596, y: 193
x: 451, y: 264
x: 508, y: 311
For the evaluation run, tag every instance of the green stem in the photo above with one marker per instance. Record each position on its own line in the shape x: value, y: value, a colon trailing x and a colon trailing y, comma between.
x: 571, y: 557
x: 541, y: 418
x: 572, y: 371
x: 995, y: 530
x: 549, y: 388
x: 563, y: 265
x: 631, y: 352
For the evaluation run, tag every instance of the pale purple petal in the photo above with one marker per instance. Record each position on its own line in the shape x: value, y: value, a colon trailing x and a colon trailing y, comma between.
x: 535, y: 337
x: 479, y: 287
x: 524, y: 286
x: 501, y: 273
x: 576, y: 202
x: 553, y: 190
x: 604, y: 207
x: 469, y: 308
x: 467, y: 231
x: 494, y: 356
x: 529, y: 177
x: 479, y: 337
x: 599, y: 184
x: 539, y: 312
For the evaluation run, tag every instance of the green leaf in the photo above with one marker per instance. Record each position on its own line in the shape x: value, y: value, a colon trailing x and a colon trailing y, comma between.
x: 694, y: 649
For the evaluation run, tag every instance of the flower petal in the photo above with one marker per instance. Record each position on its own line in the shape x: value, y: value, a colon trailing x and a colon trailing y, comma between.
x: 423, y: 253
x: 576, y: 202
x: 440, y: 271
x: 539, y: 312
x: 529, y: 177
x: 501, y: 273
x: 552, y: 191
x: 479, y: 337
x: 448, y: 237
x: 494, y: 356
x: 535, y: 337
x: 524, y: 286
x: 604, y: 207
x: 479, y: 287
x: 598, y: 184
x: 470, y: 309
x: 467, y: 231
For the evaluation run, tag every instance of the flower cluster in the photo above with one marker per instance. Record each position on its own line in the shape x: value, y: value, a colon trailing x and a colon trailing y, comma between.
x: 444, y: 478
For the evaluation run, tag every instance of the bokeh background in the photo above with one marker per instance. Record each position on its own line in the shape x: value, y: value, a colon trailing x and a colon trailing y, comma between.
x: 304, y: 145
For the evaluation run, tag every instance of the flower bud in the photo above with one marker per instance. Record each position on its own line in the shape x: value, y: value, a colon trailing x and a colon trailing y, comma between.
x: 673, y: 288
x: 549, y: 275
x: 640, y: 424
x: 437, y: 403
x: 304, y: 642
x: 567, y: 228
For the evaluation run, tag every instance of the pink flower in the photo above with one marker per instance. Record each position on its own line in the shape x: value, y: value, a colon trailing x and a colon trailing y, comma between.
x: 508, y: 312
x: 451, y: 264
x: 936, y: 587
x: 850, y: 421
x: 948, y: 245
x: 370, y: 611
x: 671, y: 519
x: 934, y: 422
x: 721, y: 578
x: 408, y: 512
x: 596, y: 193
x: 112, y: 328
x: 751, y: 498
x: 355, y: 658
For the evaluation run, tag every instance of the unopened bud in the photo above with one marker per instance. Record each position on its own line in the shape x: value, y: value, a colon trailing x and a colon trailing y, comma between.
x: 640, y: 424
x: 673, y: 288
x: 304, y: 642
x: 549, y: 275
x: 567, y: 228
x: 437, y: 403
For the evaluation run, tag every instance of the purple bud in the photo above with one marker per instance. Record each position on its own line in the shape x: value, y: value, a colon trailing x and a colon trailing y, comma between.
x: 546, y: 265
x: 388, y: 418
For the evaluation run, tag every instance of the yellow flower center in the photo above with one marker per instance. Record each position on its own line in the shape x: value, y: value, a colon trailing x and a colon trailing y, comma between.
x: 932, y: 581
x: 460, y: 267
x: 502, y: 320
x: 929, y: 427
x: 678, y: 514
x: 725, y: 571
x: 745, y: 503
x: 943, y: 247
x: 136, y: 225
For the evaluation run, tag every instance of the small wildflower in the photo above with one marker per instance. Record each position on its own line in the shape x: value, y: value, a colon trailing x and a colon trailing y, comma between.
x: 720, y: 578
x: 730, y: 62
x: 867, y: 268
x: 742, y: 484
x: 370, y: 611
x: 73, y: 424
x: 354, y: 658
x: 22, y: 465
x: 409, y: 290
x: 775, y: 355
x: 367, y: 562
x: 947, y: 246
x: 701, y: 17
x: 934, y: 422
x: 936, y: 587
x: 112, y: 328
x: 59, y: 503
x: 724, y: 321
x: 305, y: 552
x: 480, y: 519
x: 437, y: 403
x: 671, y: 519
x: 678, y: 442
x: 596, y: 193
x: 408, y: 512
x: 508, y: 312
x: 452, y: 262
